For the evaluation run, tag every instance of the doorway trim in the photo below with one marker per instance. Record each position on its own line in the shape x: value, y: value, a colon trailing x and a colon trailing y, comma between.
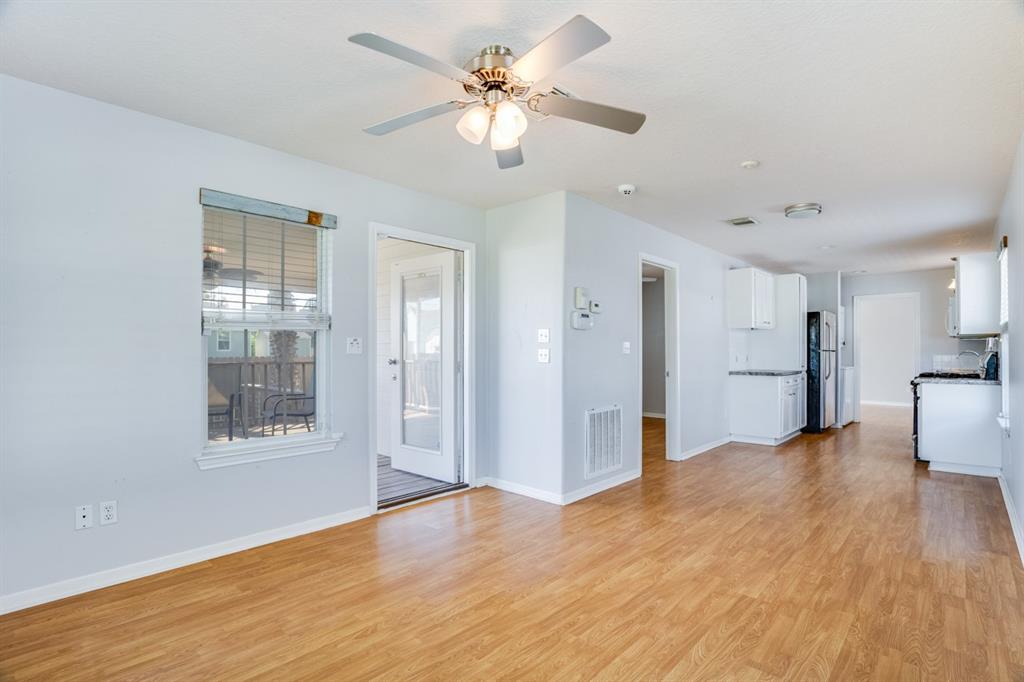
x: 379, y: 231
x: 673, y: 412
x: 858, y: 302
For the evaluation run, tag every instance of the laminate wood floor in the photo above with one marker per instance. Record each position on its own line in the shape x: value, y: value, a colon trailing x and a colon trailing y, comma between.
x: 831, y: 557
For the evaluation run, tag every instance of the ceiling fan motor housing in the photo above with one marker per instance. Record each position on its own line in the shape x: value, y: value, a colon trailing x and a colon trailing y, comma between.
x: 493, y: 69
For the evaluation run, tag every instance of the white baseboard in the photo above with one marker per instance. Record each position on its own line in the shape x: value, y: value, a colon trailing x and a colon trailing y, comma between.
x: 556, y: 498
x: 700, y: 449
x: 968, y: 469
x: 1015, y: 521
x: 760, y: 440
x: 885, y: 403
x: 518, y: 489
x: 600, y: 486
x: 94, y: 581
x: 654, y: 415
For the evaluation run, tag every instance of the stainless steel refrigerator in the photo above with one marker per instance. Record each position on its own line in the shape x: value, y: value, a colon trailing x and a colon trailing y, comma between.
x: 822, y: 370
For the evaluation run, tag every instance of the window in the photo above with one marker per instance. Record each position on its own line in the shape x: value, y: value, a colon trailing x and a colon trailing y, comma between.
x: 266, y: 318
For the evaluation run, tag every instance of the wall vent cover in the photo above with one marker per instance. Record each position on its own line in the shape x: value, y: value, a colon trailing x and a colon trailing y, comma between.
x: 604, y: 440
x: 743, y: 221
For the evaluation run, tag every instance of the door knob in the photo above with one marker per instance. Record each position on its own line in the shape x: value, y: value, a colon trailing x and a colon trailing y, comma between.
x: 392, y: 361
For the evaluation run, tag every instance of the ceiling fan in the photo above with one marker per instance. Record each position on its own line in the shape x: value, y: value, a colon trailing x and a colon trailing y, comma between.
x: 498, y: 83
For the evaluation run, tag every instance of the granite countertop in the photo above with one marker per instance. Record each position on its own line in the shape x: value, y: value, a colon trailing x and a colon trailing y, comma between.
x: 956, y: 380
x: 766, y: 372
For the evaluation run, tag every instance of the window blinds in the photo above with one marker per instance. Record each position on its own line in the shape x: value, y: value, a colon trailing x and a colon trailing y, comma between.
x: 259, y: 269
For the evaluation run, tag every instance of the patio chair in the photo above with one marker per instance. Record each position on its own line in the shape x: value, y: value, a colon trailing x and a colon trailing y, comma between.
x: 276, y: 404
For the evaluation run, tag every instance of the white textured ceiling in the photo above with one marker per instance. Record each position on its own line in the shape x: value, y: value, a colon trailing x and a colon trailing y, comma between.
x: 900, y: 117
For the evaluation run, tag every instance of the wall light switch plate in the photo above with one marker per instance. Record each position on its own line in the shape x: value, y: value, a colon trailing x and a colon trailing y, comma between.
x: 83, y: 516
x: 354, y: 345
x: 543, y: 336
x: 626, y: 347
x: 544, y: 355
x: 108, y: 512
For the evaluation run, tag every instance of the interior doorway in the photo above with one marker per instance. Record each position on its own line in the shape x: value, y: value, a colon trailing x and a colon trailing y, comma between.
x: 420, y: 344
x: 887, y: 347
x: 659, y: 359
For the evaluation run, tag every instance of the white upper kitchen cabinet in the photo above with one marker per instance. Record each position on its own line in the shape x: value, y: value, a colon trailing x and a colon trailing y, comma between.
x: 974, y: 305
x: 783, y: 347
x: 750, y: 299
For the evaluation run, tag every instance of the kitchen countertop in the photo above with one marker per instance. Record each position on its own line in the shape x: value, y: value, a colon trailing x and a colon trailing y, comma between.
x: 956, y: 380
x: 766, y: 372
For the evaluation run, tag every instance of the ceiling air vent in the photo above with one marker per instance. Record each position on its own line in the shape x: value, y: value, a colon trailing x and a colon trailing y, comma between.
x: 745, y: 221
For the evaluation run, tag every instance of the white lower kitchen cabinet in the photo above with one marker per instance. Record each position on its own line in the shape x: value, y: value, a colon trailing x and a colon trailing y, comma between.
x: 957, y: 427
x: 766, y: 408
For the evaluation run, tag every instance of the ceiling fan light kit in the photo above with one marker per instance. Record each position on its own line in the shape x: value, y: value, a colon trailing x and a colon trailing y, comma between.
x: 499, y: 83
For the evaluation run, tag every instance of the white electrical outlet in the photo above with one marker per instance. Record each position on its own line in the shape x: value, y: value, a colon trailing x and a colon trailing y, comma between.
x: 626, y: 347
x: 543, y: 335
x: 83, y: 516
x: 543, y: 355
x: 108, y: 512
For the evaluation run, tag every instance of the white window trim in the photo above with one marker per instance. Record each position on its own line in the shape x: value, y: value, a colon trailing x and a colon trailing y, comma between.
x: 247, y: 452
x: 323, y: 440
x: 219, y: 332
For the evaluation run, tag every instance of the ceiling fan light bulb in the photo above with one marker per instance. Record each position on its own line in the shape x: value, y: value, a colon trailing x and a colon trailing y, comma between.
x: 473, y: 124
x: 500, y: 142
x: 510, y: 119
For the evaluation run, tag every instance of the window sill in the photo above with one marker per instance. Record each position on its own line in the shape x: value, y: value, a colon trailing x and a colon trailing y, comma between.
x: 233, y: 454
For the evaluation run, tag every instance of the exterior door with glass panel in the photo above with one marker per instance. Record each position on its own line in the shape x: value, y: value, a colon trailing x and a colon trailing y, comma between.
x: 423, y: 355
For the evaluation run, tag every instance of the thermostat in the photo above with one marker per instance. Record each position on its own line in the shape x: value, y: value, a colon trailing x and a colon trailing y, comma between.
x: 582, y: 320
x: 595, y: 306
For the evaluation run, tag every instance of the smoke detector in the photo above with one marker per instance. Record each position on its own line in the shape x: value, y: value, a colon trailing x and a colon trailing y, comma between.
x: 803, y: 210
x: 627, y: 190
x: 743, y: 221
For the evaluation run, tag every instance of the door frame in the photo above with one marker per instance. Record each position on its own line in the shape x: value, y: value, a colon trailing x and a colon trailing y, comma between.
x: 858, y: 301
x: 469, y: 368
x: 673, y: 411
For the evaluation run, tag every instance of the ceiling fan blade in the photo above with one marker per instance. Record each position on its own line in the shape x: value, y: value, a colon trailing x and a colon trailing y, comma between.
x: 407, y: 54
x: 510, y: 158
x: 393, y: 124
x: 589, y: 112
x: 574, y: 39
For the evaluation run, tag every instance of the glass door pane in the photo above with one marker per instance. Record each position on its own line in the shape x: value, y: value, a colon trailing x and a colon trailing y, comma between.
x: 421, y: 360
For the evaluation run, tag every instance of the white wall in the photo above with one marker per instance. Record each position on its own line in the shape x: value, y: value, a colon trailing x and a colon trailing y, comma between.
x: 823, y: 291
x: 932, y: 288
x: 99, y: 329
x: 653, y: 357
x: 889, y: 338
x: 1011, y: 224
x: 525, y: 271
x: 602, y: 253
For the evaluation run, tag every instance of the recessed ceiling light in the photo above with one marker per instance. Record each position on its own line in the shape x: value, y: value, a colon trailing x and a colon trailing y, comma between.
x: 858, y: 272
x: 803, y: 210
x: 827, y: 247
x: 750, y: 164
